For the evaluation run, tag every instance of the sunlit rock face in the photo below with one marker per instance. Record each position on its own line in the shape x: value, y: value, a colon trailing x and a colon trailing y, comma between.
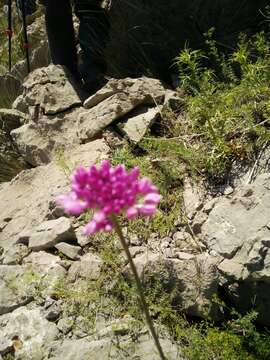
x: 147, y: 35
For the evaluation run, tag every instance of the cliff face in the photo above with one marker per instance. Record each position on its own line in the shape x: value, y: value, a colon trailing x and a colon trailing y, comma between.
x: 147, y: 35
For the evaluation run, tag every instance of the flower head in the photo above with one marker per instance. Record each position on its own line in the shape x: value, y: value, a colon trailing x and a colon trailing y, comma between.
x: 109, y: 191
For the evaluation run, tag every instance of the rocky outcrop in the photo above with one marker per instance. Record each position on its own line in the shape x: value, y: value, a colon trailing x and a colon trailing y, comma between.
x: 58, y: 120
x: 193, y: 280
x: 44, y: 256
x: 236, y: 231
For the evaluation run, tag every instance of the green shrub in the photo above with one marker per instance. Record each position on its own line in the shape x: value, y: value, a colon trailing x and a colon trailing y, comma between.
x: 227, y: 103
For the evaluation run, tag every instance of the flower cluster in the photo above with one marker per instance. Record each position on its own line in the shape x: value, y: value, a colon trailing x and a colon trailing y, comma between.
x: 109, y: 191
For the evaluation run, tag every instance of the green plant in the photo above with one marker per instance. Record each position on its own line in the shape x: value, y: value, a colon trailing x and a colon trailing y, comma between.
x: 228, y: 103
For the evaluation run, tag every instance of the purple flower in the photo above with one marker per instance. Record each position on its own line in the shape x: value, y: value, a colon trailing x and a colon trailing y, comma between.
x: 109, y: 191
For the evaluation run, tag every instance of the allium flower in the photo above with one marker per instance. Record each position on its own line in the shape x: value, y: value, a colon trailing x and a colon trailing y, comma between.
x: 109, y: 191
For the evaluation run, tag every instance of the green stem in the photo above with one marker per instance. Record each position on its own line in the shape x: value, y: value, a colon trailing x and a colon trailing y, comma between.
x: 139, y: 285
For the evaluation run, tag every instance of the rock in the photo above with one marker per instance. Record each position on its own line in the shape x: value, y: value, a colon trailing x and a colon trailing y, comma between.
x: 33, y: 333
x: 14, y: 255
x: 88, y: 267
x: 115, y: 346
x: 53, y: 312
x: 81, y: 238
x: 237, y: 230
x: 136, y: 250
x: 232, y: 221
x: 11, y: 298
x: 20, y: 105
x: 71, y: 251
x: 17, y: 213
x: 11, y: 119
x: 128, y: 94
x: 86, y: 154
x: 31, y: 146
x: 139, y: 122
x: 193, y: 197
x: 193, y: 278
x: 42, y: 259
x: 50, y: 90
x: 143, y: 90
x: 65, y: 325
x: 174, y: 100
x: 55, y: 137
x: 44, y: 272
x: 50, y: 233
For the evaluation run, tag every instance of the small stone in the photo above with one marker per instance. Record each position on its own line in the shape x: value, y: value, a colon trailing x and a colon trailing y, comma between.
x: 81, y: 238
x: 135, y: 240
x: 65, y: 325
x: 184, y: 256
x: 138, y: 124
x: 88, y: 267
x: 15, y: 254
x: 52, y: 313
x: 71, y: 251
x: 136, y: 250
x: 51, y: 232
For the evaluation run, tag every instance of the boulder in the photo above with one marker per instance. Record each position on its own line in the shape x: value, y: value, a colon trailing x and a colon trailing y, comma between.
x: 117, y: 99
x: 116, y: 342
x: 88, y: 267
x: 28, y: 200
x: 237, y: 231
x: 71, y: 251
x: 138, y: 123
x: 49, y: 233
x: 194, y: 279
x: 11, y: 298
x: 26, y: 334
x: 55, y: 137
x: 49, y: 90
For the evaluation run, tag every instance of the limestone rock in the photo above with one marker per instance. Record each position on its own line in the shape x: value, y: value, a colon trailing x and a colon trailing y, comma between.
x: 71, y: 251
x: 14, y: 255
x: 88, y: 267
x: 51, y: 232
x: 193, y: 197
x: 145, y: 90
x: 50, y: 91
x: 32, y: 147
x: 28, y: 200
x: 121, y: 97
x: 194, y: 278
x: 10, y: 298
x: 174, y: 100
x: 115, y: 345
x: 86, y: 154
x: 237, y: 230
x: 139, y: 122
x: 42, y: 272
x: 233, y: 221
x: 33, y: 333
x: 55, y: 137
